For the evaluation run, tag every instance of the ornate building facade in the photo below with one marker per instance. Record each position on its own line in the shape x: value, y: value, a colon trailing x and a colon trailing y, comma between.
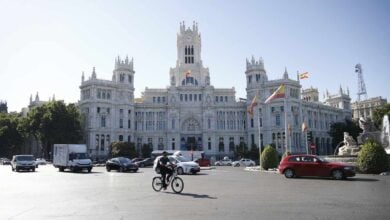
x: 365, y: 108
x: 191, y: 114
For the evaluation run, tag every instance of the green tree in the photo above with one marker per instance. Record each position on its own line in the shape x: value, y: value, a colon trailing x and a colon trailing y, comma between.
x: 241, y: 150
x: 221, y: 147
x: 372, y: 158
x: 269, y: 158
x: 11, y: 138
x: 123, y: 149
x: 146, y: 150
x: 54, y: 123
x: 253, y: 153
x: 378, y: 114
x: 337, y: 130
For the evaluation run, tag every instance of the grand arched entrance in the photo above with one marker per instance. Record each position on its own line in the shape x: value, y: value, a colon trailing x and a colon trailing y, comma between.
x: 191, y: 135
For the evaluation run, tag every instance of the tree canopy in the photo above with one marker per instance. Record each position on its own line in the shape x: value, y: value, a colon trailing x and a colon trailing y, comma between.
x: 11, y: 137
x: 378, y: 114
x: 123, y: 149
x: 337, y: 130
x: 54, y: 123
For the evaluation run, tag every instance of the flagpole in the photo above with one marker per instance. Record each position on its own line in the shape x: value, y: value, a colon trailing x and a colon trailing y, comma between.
x: 285, y: 124
x: 307, y: 147
x: 258, y: 125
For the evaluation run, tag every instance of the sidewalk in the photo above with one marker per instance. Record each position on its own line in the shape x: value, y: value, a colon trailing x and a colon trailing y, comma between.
x: 207, y: 168
x: 257, y: 168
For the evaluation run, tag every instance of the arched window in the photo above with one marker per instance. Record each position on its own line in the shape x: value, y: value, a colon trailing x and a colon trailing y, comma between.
x: 189, y: 81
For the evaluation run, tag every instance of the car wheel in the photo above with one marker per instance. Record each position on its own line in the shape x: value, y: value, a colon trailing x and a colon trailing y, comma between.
x: 251, y: 164
x: 180, y: 171
x: 237, y: 165
x: 89, y: 170
x: 120, y: 169
x: 289, y: 173
x: 229, y: 164
x: 338, y: 174
x: 108, y: 169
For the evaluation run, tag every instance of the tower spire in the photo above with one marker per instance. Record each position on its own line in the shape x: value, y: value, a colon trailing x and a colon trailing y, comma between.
x: 93, y: 73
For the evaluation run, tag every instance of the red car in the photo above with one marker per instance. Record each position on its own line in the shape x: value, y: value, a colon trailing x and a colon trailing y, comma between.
x: 311, y: 165
x: 203, y: 162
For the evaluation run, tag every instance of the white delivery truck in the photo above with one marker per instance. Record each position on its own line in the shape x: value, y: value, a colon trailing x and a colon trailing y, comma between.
x: 71, y: 156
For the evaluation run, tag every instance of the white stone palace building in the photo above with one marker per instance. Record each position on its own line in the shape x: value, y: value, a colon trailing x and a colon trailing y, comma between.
x: 191, y: 114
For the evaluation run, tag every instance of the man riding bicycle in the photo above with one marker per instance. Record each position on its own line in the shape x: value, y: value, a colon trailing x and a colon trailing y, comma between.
x: 164, y: 164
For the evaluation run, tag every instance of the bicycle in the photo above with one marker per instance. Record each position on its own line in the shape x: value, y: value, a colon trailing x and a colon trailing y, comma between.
x: 176, y: 182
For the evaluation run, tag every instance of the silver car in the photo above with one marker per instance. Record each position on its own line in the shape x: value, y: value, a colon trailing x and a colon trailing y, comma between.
x: 23, y: 162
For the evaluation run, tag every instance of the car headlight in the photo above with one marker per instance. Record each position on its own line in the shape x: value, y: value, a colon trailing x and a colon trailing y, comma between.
x: 348, y: 168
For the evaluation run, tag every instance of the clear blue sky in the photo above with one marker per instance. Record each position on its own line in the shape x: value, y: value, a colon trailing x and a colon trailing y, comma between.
x: 45, y: 45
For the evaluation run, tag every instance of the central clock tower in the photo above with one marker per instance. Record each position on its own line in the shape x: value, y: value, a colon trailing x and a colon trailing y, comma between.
x: 189, y: 70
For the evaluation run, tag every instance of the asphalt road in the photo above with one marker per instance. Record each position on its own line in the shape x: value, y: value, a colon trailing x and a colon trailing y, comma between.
x: 221, y: 193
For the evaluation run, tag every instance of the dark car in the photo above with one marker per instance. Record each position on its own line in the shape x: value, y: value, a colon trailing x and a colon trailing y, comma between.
x: 137, y: 159
x: 147, y: 162
x: 121, y: 164
x: 203, y: 162
x: 311, y: 165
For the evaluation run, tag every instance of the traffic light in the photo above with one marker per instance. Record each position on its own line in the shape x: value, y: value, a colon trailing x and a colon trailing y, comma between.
x: 309, y: 136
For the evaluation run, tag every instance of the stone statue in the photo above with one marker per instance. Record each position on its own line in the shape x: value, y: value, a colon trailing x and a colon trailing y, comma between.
x: 350, y: 146
x: 366, y: 125
x: 349, y: 141
x: 369, y: 130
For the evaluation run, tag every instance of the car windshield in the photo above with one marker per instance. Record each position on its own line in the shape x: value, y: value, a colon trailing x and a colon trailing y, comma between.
x: 322, y: 160
x: 182, y: 159
x: 124, y: 160
x: 78, y: 156
x: 26, y: 158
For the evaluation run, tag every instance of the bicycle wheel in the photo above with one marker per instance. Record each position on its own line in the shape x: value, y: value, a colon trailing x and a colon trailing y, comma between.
x: 177, y: 185
x: 157, y: 183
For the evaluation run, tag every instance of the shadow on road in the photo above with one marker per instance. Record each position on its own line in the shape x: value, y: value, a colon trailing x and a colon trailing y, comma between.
x: 363, y: 179
x: 199, y: 174
x: 196, y: 196
x: 331, y: 179
x: 81, y: 172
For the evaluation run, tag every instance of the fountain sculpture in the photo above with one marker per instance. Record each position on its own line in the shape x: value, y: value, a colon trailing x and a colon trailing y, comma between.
x: 350, y: 147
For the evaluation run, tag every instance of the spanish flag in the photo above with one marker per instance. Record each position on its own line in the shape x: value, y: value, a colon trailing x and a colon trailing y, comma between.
x: 304, y: 75
x: 252, y: 106
x: 188, y: 73
x: 279, y: 93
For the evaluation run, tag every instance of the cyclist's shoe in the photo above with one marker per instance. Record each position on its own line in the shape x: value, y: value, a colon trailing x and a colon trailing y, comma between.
x: 164, y: 187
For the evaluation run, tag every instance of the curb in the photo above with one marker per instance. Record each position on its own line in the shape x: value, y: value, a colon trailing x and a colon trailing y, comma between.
x: 258, y: 169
